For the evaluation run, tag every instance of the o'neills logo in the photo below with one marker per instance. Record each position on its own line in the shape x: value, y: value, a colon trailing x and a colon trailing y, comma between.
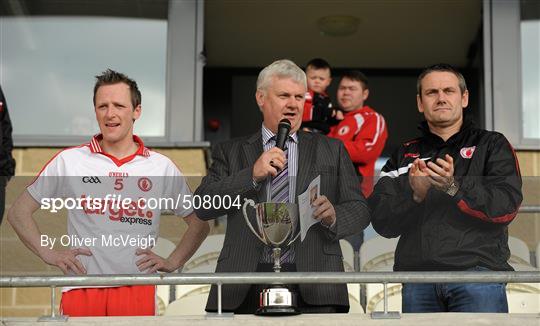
x: 118, y: 174
x: 144, y: 184
x: 467, y: 152
x: 124, y: 210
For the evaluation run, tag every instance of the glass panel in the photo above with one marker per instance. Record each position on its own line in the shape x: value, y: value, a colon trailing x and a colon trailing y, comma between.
x: 48, y: 64
x: 530, y: 68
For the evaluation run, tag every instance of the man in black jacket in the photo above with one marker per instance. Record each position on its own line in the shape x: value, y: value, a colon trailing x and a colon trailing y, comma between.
x: 449, y: 195
x: 7, y: 163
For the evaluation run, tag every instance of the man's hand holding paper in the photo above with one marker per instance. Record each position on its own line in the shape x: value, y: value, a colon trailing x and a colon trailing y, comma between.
x: 324, y: 211
x: 314, y: 208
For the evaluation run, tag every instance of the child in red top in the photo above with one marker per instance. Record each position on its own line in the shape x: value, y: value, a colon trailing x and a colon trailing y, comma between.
x: 318, y: 111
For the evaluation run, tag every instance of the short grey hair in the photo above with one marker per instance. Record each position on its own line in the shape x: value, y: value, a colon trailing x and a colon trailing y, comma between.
x: 441, y: 67
x: 281, y: 69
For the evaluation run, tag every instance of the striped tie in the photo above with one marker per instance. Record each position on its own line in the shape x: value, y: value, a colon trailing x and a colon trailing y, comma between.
x: 279, y: 190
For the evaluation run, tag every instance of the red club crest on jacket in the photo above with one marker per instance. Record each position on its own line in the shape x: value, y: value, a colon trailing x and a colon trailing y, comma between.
x: 467, y: 152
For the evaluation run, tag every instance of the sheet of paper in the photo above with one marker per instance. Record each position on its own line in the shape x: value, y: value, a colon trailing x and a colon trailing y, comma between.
x: 305, y: 207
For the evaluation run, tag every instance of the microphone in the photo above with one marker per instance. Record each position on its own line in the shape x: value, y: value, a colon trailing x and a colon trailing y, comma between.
x: 284, y: 127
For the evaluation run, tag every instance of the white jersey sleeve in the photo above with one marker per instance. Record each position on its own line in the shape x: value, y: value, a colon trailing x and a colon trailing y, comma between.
x: 50, y: 181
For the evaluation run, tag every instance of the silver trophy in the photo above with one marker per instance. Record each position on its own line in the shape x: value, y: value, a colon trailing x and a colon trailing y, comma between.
x: 276, y: 225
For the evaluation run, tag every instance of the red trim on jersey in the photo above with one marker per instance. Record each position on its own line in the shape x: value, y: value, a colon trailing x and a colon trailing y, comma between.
x: 52, y: 158
x: 478, y: 214
x: 95, y: 147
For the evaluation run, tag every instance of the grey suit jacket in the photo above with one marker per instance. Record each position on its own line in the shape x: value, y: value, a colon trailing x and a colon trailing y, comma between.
x: 231, y: 174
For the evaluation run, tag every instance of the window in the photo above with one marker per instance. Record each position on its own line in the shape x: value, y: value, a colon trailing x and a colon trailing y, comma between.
x: 530, y: 68
x: 512, y: 70
x: 49, y: 63
x: 52, y: 49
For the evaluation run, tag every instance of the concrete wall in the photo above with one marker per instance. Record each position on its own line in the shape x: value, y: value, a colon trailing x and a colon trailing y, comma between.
x: 527, y: 226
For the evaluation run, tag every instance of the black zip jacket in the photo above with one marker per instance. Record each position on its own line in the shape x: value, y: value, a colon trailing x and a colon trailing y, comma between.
x: 7, y: 163
x: 444, y: 232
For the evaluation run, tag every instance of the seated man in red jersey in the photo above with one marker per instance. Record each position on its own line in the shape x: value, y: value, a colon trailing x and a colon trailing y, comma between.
x: 111, y: 231
x: 362, y: 130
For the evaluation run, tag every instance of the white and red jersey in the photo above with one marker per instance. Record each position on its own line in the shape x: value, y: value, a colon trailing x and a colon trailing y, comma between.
x: 119, y: 228
x: 363, y: 132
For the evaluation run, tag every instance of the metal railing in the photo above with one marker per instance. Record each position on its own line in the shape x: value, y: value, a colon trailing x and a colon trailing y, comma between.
x: 269, y: 278
x: 272, y: 278
x: 529, y: 209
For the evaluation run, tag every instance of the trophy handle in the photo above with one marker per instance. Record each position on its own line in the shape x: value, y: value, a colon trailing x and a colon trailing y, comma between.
x: 251, y: 203
x: 296, y: 237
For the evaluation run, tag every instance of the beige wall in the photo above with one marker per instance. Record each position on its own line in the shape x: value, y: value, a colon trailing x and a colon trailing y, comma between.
x: 527, y: 226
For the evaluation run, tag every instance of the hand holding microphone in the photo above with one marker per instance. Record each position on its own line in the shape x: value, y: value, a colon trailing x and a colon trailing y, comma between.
x: 284, y: 127
x: 273, y: 160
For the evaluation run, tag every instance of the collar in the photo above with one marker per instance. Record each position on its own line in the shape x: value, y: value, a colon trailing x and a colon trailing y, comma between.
x: 267, y: 134
x: 95, y: 147
x: 468, y: 124
x: 355, y: 111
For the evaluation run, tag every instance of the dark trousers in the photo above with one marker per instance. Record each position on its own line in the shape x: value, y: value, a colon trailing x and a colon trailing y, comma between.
x: 455, y: 297
x: 251, y: 302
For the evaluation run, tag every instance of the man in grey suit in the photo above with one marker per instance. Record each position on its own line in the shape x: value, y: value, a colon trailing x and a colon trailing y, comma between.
x: 247, y: 167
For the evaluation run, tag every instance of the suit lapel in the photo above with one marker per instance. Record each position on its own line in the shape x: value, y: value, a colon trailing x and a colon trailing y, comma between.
x: 306, y: 152
x: 252, y: 149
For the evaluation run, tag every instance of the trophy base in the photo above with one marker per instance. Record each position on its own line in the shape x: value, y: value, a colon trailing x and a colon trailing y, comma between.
x: 277, y: 301
x: 277, y: 311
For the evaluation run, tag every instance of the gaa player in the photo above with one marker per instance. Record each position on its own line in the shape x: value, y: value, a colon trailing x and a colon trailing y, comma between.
x: 115, y: 177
